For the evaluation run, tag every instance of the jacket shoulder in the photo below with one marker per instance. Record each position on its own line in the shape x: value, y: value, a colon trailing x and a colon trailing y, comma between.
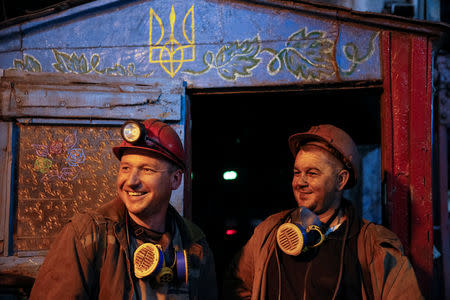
x: 263, y: 230
x: 193, y: 230
x: 379, y: 235
x: 82, y: 223
x: 272, y: 220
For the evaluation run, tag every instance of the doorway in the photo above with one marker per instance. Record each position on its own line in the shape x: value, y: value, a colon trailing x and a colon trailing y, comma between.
x: 246, y: 135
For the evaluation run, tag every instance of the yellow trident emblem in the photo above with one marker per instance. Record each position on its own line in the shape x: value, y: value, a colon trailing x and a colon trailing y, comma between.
x: 171, y: 55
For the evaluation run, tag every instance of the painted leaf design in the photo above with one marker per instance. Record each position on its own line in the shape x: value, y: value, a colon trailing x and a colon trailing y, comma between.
x: 238, y: 59
x: 32, y: 64
x: 309, y: 55
x: 29, y: 64
x: 63, y: 63
x: 82, y: 64
x: 18, y: 64
x: 95, y: 60
x: 70, y: 63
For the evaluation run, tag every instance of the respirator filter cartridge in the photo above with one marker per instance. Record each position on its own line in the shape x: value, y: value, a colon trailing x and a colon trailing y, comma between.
x: 294, y: 239
x: 148, y: 259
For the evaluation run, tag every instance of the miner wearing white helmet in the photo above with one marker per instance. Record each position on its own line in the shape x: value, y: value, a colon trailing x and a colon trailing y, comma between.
x: 322, y: 249
x: 137, y: 246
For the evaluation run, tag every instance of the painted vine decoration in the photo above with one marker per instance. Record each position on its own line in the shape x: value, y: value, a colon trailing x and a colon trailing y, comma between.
x: 66, y: 63
x: 72, y: 63
x: 232, y: 61
x: 351, y: 52
x: 306, y: 56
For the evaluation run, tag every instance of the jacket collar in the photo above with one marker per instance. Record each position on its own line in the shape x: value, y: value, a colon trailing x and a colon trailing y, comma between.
x: 116, y: 211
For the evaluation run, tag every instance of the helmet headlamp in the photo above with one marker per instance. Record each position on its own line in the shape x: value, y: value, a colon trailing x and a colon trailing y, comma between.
x: 152, y: 135
x: 132, y: 131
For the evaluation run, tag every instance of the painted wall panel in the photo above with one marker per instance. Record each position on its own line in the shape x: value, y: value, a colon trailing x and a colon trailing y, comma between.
x: 10, y: 39
x: 64, y: 170
x: 205, y: 43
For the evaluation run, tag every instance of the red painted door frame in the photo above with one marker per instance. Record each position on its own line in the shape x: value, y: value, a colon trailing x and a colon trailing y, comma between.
x: 406, y: 117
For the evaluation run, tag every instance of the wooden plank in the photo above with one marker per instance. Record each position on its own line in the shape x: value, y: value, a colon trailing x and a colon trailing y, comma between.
x: 68, y: 79
x: 187, y: 213
x: 5, y: 183
x: 400, y: 62
x: 421, y: 239
x: 55, y: 95
x: 22, y: 266
x: 386, y: 129
x: 406, y: 148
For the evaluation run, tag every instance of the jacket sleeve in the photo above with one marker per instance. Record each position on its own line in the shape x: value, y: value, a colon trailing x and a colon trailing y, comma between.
x: 68, y: 271
x: 202, y: 271
x: 245, y: 278
x: 392, y: 275
x: 238, y: 282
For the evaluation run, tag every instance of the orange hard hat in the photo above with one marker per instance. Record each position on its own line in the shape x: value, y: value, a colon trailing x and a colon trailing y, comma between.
x: 152, y: 135
x: 334, y: 140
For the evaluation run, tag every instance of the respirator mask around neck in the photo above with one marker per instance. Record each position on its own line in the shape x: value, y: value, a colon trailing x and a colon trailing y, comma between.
x: 149, y: 261
x: 302, y: 232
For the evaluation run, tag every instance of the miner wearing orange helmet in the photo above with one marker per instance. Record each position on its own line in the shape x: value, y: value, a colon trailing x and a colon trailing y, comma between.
x: 322, y: 249
x: 137, y: 246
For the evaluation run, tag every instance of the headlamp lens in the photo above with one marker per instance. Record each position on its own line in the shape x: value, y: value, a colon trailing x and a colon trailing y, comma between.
x: 131, y: 132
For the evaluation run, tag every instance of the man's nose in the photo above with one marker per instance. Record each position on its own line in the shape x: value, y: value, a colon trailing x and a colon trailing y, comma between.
x: 133, y: 178
x: 301, y: 180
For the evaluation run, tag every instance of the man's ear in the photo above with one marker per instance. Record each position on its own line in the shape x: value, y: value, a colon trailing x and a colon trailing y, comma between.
x: 342, y: 179
x: 176, y: 178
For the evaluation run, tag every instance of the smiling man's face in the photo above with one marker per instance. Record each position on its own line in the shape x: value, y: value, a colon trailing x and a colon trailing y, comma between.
x: 315, y: 182
x: 145, y: 183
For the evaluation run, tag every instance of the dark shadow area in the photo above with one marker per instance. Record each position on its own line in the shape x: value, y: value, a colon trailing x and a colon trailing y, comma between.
x: 248, y: 133
x: 15, y: 287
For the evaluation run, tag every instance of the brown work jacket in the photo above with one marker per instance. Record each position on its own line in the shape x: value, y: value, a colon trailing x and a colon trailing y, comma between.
x: 388, y: 271
x: 89, y: 259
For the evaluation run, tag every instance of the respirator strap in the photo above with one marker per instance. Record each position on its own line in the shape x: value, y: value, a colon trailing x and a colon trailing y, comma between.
x: 324, y: 227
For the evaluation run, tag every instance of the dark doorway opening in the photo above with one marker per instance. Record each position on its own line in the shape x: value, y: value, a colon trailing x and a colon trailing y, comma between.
x: 248, y: 133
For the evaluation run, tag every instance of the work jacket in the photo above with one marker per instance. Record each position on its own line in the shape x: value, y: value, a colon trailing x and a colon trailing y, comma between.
x: 386, y: 271
x: 90, y: 259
